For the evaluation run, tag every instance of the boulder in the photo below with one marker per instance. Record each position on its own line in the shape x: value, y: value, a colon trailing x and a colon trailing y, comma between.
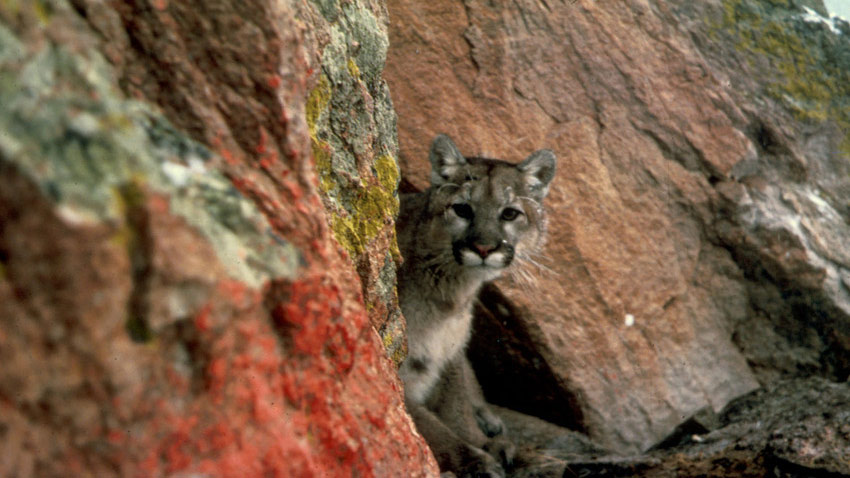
x: 186, y: 288
x: 695, y: 245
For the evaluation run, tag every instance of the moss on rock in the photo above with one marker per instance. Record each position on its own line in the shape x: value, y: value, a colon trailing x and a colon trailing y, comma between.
x: 813, y: 78
x: 352, y: 130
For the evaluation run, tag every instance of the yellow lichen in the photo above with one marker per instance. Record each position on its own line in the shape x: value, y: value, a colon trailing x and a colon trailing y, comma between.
x: 365, y: 217
x: 398, y: 356
x: 32, y: 9
x: 42, y: 12
x: 10, y: 6
x: 807, y: 85
x: 353, y: 69
x: 387, y: 172
x: 322, y: 155
x: 317, y: 101
x: 779, y: 3
x: 387, y: 339
x: 123, y: 234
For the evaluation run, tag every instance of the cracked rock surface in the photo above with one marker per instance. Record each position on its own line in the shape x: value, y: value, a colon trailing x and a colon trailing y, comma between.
x: 176, y: 294
x: 698, y: 234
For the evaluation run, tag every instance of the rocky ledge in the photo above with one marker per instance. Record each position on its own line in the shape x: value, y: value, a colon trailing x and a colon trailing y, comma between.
x: 793, y: 428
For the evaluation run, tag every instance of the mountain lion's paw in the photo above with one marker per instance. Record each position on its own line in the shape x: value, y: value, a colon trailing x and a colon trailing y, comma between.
x: 489, y: 422
x: 480, y: 464
x: 502, y: 449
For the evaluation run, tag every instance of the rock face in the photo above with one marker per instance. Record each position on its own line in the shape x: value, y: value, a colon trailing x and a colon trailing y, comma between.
x: 697, y: 245
x: 765, y: 433
x: 174, y: 298
x: 197, y: 254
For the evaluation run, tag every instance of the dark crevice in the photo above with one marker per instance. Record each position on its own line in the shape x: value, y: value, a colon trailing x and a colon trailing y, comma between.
x: 539, y: 104
x: 796, y: 313
x: 274, y: 301
x: 778, y: 467
x: 766, y: 138
x: 140, y: 250
x: 80, y: 7
x: 183, y: 333
x: 468, y: 10
x: 688, y: 160
x: 511, y: 371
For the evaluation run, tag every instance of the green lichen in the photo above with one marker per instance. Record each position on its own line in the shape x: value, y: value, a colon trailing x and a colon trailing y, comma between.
x: 810, y: 81
x: 371, y: 36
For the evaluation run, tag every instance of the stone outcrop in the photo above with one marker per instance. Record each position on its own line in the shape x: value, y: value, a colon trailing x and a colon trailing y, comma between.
x: 765, y: 433
x: 698, y: 237
x: 196, y: 242
x: 197, y: 247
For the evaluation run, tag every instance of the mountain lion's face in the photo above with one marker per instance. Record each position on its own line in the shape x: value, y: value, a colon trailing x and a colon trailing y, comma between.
x: 486, y: 211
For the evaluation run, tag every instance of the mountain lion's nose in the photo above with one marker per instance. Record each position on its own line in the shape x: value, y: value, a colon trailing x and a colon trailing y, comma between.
x: 484, y: 249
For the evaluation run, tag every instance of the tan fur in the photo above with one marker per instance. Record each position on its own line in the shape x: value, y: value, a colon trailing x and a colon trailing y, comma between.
x: 478, y: 217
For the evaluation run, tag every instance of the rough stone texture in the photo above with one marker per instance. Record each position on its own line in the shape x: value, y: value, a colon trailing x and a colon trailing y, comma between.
x: 787, y: 207
x: 353, y: 138
x: 701, y: 193
x: 172, y: 298
x: 765, y: 433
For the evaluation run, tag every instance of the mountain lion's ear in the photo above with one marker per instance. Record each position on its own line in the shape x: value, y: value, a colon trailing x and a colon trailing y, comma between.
x: 538, y: 169
x: 445, y: 159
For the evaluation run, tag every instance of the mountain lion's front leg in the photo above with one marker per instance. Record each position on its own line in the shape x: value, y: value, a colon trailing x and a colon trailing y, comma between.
x: 459, y: 403
x: 452, y: 452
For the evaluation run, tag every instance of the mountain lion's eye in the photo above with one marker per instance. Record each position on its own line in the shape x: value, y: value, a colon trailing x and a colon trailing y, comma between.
x: 463, y: 211
x: 509, y: 214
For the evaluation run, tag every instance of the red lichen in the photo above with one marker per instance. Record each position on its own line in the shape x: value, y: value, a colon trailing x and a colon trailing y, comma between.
x: 294, y: 190
x: 262, y: 147
x: 202, y: 319
x: 237, y: 293
x: 158, y: 204
x: 268, y: 159
x: 116, y: 437
x: 229, y: 157
x: 274, y: 81
x: 326, y: 407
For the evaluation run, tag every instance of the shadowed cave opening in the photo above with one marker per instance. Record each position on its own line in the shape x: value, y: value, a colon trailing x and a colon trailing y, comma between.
x: 511, y: 372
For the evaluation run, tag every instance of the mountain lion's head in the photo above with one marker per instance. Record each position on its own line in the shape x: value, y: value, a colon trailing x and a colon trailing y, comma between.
x: 484, y: 213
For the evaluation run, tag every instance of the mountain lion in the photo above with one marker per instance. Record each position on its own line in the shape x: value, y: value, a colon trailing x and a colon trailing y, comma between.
x: 479, y: 216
